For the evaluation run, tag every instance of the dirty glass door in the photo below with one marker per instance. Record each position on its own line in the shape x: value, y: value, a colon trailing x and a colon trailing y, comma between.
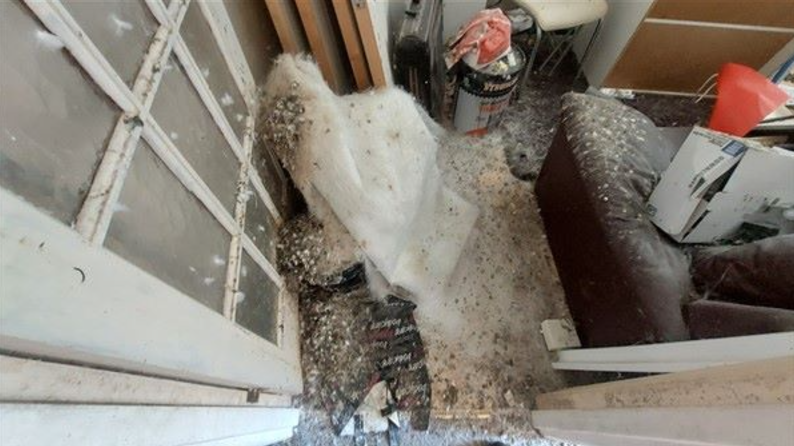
x: 136, y: 233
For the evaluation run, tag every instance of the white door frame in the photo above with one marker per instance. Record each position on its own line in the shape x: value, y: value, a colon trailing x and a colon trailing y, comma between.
x: 62, y: 298
x: 67, y: 298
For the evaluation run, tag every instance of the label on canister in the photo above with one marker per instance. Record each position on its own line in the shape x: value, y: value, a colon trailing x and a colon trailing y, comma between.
x: 484, y: 94
x: 474, y: 114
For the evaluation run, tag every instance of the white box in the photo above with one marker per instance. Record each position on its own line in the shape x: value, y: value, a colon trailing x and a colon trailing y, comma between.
x: 716, y: 182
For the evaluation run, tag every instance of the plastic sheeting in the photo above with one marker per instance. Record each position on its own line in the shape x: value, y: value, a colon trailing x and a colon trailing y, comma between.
x: 369, y: 160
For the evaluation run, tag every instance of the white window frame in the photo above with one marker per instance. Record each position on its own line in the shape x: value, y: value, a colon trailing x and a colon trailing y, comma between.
x: 681, y: 356
x: 170, y: 334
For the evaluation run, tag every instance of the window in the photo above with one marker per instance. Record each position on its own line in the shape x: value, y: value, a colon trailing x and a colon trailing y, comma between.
x: 125, y: 121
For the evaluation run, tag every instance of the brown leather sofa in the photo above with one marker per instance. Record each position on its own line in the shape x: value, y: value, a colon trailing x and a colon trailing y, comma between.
x: 626, y: 282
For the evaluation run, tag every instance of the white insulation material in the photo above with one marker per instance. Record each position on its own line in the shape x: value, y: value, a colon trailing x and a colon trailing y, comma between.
x: 370, y: 160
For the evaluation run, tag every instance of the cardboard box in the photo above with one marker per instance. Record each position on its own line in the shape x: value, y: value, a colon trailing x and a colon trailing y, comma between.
x: 717, y: 182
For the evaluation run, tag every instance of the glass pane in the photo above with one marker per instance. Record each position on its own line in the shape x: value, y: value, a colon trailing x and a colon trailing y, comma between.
x: 260, y: 226
x: 265, y: 164
x: 205, y: 50
x: 121, y: 29
x: 257, y: 35
x: 181, y: 113
x: 257, y: 301
x: 54, y: 122
x: 162, y: 228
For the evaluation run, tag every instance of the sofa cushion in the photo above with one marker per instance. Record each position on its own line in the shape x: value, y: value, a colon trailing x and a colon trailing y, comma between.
x: 624, y: 281
x: 758, y: 273
x: 715, y: 319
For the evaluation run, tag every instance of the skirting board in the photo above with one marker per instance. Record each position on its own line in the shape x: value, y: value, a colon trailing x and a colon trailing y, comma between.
x: 102, y: 425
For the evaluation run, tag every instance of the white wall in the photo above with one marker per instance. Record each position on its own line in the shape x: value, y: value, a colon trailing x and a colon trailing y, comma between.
x: 386, y: 18
x: 618, y: 26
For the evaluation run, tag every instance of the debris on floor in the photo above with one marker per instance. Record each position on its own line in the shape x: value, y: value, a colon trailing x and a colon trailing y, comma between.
x: 400, y: 358
x: 351, y: 341
x: 373, y: 413
x: 316, y: 254
x: 559, y: 334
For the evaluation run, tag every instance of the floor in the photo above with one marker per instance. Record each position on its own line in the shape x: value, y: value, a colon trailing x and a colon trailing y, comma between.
x: 485, y: 354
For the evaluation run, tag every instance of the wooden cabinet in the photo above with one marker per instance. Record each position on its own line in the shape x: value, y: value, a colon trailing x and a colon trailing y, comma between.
x: 674, y: 46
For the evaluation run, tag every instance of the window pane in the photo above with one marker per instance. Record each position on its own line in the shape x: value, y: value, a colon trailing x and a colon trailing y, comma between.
x: 163, y: 228
x: 121, y: 29
x: 180, y: 112
x: 205, y: 50
x: 257, y: 301
x: 265, y: 164
x: 260, y: 226
x: 54, y: 122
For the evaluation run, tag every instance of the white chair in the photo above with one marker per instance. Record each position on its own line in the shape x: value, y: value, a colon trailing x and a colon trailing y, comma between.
x: 557, y: 15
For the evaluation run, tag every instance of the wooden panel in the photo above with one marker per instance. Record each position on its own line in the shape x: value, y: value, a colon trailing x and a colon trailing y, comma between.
x: 767, y: 425
x: 677, y: 58
x: 288, y: 26
x: 369, y: 39
x: 760, y: 382
x: 777, y: 13
x: 355, y: 49
x: 325, y: 45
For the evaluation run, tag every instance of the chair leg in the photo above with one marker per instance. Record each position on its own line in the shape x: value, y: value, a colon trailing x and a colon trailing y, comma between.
x: 570, y: 42
x: 586, y: 53
x: 531, y: 63
x: 560, y: 45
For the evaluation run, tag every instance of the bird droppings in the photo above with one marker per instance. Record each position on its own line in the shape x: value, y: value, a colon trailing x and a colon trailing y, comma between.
x: 227, y: 100
x: 120, y: 27
x: 120, y: 207
x: 315, y: 254
x: 280, y: 127
x: 218, y: 260
x: 529, y: 124
x: 174, y: 136
x: 246, y: 195
x: 49, y: 41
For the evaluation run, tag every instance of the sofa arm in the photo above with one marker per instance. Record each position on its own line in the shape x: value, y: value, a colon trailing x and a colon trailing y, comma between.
x: 624, y: 282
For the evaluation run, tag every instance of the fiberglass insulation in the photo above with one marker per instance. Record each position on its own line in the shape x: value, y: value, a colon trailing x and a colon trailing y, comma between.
x: 369, y: 161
